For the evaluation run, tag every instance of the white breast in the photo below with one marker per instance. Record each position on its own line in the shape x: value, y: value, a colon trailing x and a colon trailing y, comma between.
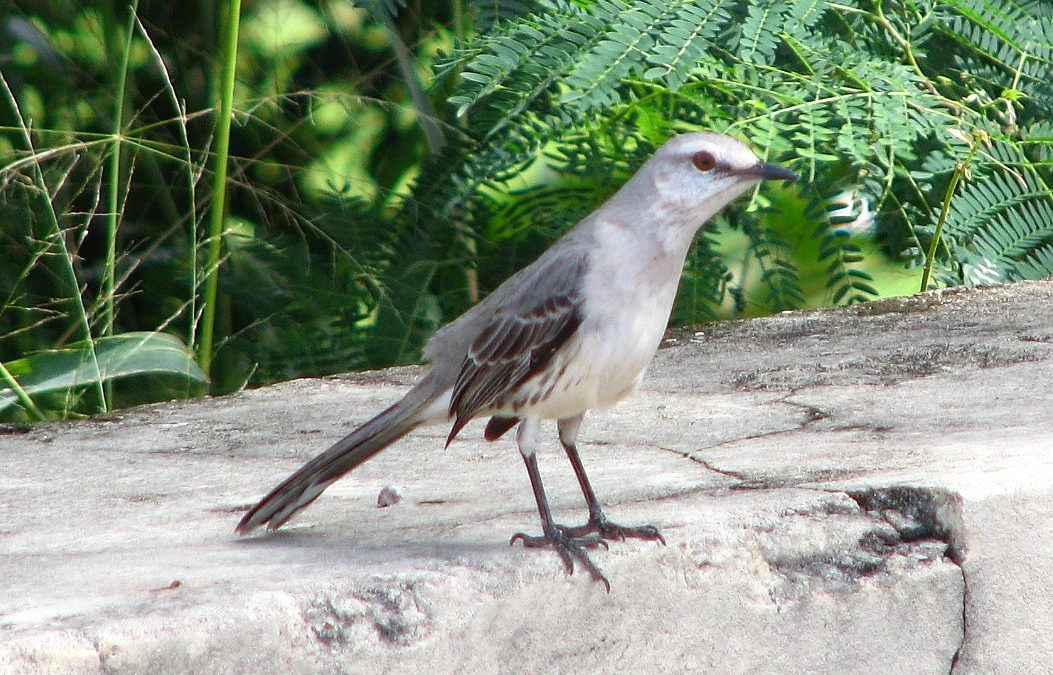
x: 627, y: 304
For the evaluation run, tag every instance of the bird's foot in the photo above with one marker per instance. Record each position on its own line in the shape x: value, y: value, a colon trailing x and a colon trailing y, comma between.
x: 598, y: 525
x: 569, y: 547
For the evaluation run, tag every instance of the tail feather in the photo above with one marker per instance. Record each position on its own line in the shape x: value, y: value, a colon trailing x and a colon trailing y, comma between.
x: 303, y: 487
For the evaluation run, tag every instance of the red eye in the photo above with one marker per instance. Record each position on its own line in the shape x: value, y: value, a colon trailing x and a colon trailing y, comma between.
x: 704, y: 161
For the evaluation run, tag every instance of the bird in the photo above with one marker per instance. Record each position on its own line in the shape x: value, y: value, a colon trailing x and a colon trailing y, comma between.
x: 573, y: 331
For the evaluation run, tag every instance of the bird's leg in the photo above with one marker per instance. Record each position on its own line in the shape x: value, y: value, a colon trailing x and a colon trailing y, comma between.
x: 598, y: 522
x: 568, y: 546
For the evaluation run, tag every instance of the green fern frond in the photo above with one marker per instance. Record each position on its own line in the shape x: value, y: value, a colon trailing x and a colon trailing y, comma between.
x: 880, y: 99
x: 1016, y: 233
x: 802, y: 16
x: 779, y: 271
x: 759, y: 35
x: 515, y: 69
x: 704, y: 285
x: 1038, y: 264
x: 630, y: 37
x: 983, y: 200
x: 1017, y: 42
x: 684, y: 44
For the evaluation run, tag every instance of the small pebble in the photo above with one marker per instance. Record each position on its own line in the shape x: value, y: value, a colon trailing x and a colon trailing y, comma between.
x: 389, y: 496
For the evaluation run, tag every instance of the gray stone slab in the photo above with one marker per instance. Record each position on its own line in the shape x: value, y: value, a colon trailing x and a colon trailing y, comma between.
x: 866, y: 490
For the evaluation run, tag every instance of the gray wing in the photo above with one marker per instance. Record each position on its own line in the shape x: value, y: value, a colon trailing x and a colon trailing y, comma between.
x: 538, y: 315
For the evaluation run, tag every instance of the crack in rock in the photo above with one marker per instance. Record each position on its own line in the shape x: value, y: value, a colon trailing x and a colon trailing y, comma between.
x: 889, y: 529
x: 965, y: 623
x: 924, y: 514
x: 694, y: 457
x: 916, y: 514
x: 812, y: 414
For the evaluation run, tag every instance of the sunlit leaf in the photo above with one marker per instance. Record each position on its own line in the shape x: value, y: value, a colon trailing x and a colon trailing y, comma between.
x: 139, y: 353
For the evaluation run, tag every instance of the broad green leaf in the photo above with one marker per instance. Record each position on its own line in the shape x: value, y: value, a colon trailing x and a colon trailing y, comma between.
x: 138, y: 353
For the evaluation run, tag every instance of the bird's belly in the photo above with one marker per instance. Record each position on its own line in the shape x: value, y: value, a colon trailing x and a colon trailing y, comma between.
x: 599, y: 367
x: 624, y: 351
x: 605, y: 360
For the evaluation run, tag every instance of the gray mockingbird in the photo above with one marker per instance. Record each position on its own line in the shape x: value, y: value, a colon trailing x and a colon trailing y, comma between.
x: 572, y: 332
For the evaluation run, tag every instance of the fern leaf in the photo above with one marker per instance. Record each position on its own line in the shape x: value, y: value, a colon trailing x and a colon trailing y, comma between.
x: 1038, y: 264
x: 630, y: 37
x: 686, y: 40
x: 760, y: 31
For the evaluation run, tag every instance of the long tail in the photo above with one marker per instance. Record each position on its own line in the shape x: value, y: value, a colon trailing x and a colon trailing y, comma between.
x: 303, y: 487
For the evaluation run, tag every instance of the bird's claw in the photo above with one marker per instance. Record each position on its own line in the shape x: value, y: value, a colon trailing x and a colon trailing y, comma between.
x: 606, y: 529
x: 568, y: 547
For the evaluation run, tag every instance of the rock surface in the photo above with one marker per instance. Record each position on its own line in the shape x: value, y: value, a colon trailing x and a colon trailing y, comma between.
x: 866, y: 490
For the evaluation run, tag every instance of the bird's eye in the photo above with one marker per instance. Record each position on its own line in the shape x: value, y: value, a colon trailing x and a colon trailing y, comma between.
x: 704, y: 161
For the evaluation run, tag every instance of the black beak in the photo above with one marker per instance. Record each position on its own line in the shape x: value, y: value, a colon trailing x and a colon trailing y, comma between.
x: 766, y: 171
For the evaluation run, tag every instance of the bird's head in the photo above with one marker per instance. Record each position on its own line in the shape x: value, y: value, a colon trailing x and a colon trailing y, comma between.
x: 698, y: 174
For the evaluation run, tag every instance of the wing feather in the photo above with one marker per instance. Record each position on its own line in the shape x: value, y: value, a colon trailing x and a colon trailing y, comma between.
x: 519, y: 341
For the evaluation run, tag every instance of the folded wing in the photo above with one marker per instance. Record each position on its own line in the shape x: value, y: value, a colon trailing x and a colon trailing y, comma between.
x: 520, y: 340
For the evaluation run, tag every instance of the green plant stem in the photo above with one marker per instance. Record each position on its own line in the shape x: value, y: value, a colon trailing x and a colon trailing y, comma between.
x: 219, y: 182
x: 457, y: 10
x: 110, y: 270
x: 930, y: 256
x: 109, y: 273
x: 23, y: 397
x: 904, y: 44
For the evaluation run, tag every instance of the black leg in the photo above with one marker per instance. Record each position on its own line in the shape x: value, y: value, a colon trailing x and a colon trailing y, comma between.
x: 569, y: 546
x: 598, y: 522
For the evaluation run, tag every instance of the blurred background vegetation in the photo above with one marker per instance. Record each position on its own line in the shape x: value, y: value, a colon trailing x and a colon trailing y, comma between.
x: 389, y: 163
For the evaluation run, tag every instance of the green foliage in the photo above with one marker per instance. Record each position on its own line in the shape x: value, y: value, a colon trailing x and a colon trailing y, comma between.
x: 305, y: 152
x: 391, y: 164
x: 885, y: 98
x: 117, y: 356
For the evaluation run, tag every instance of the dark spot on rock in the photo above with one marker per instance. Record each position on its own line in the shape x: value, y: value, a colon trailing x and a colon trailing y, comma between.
x: 14, y: 429
x: 917, y: 514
